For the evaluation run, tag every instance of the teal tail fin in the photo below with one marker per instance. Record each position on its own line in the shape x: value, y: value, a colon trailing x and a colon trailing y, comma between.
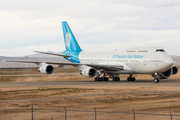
x: 70, y: 41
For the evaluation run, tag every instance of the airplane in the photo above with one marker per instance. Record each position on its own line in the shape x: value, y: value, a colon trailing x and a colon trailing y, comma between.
x: 142, y: 60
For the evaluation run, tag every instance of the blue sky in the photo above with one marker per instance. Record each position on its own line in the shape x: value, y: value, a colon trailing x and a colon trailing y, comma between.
x: 104, y: 25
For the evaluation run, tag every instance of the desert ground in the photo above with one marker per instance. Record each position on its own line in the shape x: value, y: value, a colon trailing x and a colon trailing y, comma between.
x: 123, y: 96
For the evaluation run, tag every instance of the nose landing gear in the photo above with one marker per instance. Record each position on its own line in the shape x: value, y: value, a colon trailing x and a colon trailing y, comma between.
x: 157, y: 79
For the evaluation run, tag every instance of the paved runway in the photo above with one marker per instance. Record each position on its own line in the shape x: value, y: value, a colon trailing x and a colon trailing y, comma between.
x: 54, y: 74
x: 85, y: 83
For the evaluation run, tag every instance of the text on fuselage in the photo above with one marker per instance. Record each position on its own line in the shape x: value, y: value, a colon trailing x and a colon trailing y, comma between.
x: 128, y: 56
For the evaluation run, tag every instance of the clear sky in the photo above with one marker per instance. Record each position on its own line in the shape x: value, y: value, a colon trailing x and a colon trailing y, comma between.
x: 105, y: 25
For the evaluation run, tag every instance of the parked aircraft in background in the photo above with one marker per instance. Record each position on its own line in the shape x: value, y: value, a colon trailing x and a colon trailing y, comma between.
x: 149, y: 60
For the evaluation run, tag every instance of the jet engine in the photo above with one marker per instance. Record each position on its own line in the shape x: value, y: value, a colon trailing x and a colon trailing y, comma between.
x: 175, y: 70
x: 46, y: 69
x: 165, y: 75
x: 88, y: 72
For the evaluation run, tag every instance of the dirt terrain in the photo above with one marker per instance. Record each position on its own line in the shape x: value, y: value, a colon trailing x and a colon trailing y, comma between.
x: 60, y: 74
x: 123, y: 99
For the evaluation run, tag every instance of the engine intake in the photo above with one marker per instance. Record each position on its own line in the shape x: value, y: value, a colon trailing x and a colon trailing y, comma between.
x: 46, y: 69
x: 88, y: 72
x: 175, y: 70
x: 165, y: 75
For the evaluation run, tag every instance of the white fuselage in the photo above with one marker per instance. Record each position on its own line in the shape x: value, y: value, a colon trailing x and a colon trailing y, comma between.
x: 135, y: 61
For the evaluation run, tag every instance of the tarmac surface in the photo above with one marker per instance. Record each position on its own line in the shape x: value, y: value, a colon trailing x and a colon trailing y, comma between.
x: 92, y: 83
x: 54, y: 74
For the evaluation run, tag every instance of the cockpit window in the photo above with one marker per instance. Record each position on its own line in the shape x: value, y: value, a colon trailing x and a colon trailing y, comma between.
x: 160, y: 50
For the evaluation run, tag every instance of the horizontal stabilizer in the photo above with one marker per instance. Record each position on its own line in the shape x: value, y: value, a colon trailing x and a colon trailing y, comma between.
x: 53, y: 54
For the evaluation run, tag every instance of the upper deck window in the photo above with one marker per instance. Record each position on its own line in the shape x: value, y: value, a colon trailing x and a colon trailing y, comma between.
x: 142, y: 51
x: 131, y: 51
x: 160, y: 50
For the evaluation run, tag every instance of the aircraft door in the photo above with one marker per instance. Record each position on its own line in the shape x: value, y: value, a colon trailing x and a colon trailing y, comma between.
x: 144, y: 62
x: 126, y: 62
x: 156, y: 63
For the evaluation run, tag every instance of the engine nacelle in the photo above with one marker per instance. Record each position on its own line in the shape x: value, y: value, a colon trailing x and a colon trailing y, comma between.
x: 88, y: 72
x: 165, y: 75
x: 175, y: 70
x: 46, y: 69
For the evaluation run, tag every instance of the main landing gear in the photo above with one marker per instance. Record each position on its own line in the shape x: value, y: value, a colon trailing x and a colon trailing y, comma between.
x: 115, y: 79
x: 101, y: 79
x: 130, y: 78
x: 104, y: 78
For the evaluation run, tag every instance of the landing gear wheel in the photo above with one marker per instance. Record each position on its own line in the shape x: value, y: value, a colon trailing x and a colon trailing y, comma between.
x: 95, y: 79
x: 131, y: 79
x: 101, y: 79
x: 116, y: 79
x: 156, y: 80
x: 106, y: 79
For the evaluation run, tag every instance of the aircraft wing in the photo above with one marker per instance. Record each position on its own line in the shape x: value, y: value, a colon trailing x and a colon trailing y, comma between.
x: 38, y: 62
x: 106, y: 67
x: 96, y: 66
x: 53, y: 54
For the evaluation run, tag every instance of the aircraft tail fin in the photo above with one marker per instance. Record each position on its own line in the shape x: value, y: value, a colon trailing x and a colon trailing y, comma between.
x: 70, y: 41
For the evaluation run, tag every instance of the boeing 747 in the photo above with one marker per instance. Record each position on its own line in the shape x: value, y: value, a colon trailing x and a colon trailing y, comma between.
x: 148, y: 60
